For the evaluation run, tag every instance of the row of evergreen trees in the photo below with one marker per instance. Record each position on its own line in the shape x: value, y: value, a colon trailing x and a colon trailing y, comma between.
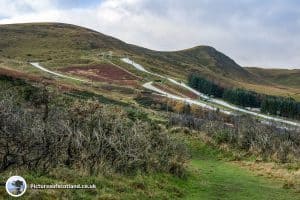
x: 205, y: 86
x: 242, y: 97
x: 286, y: 107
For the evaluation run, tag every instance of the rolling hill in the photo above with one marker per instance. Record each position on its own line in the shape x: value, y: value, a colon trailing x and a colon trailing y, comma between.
x: 56, y: 42
x: 285, y: 77
x: 58, y: 45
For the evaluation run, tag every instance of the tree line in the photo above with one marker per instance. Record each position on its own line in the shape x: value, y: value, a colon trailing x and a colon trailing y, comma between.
x: 205, y: 86
x: 242, y: 97
x: 286, y: 107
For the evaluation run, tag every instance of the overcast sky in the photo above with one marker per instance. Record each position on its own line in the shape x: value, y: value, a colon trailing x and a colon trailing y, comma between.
x: 263, y: 33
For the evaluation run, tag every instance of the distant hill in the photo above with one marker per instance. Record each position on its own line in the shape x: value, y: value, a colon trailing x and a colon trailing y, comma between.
x: 285, y: 77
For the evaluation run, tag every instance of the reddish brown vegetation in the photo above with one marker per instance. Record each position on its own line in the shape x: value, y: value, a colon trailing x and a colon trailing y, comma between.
x: 103, y: 73
x: 36, y: 79
x: 176, y: 90
x: 183, y: 91
x: 188, y: 94
x: 167, y: 90
x: 22, y: 75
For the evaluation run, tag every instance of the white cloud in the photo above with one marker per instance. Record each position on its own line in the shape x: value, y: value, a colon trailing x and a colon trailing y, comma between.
x: 252, y: 32
x: 11, y: 8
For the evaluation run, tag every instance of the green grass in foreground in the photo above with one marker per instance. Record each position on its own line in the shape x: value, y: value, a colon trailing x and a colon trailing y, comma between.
x: 209, y: 177
x: 214, y: 178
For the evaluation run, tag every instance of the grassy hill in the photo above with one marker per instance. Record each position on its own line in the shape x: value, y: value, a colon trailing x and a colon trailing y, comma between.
x: 68, y: 44
x: 61, y: 45
x: 285, y: 77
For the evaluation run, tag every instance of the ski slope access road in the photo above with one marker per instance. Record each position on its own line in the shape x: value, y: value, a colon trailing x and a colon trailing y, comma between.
x: 146, y: 85
x: 171, y: 96
x: 195, y: 102
x: 38, y: 66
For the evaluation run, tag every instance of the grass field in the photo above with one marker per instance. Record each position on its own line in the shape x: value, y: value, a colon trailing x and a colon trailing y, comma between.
x: 219, y: 179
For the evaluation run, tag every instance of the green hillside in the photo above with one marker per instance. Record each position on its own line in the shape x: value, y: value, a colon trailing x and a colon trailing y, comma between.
x: 61, y: 45
x: 285, y: 77
x: 68, y: 44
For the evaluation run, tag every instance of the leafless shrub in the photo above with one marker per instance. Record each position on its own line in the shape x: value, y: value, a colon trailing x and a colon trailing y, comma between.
x: 86, y: 136
x: 271, y: 142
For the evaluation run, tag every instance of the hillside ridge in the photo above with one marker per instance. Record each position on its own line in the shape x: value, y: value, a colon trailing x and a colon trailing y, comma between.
x: 44, y: 36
